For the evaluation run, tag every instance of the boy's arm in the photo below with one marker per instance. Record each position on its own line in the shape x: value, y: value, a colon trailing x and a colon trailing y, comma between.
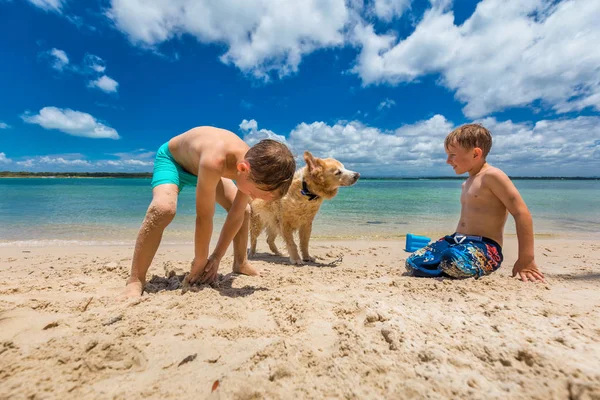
x: 233, y: 223
x: 206, y: 192
x: 505, y: 190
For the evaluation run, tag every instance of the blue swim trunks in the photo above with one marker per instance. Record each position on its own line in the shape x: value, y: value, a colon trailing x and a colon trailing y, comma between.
x: 167, y: 170
x: 457, y: 256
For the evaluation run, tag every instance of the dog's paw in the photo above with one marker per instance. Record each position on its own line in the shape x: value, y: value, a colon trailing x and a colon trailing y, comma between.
x: 309, y: 259
x: 295, y: 261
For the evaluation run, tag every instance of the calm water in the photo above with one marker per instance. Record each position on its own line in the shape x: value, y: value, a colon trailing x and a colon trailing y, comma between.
x: 110, y: 210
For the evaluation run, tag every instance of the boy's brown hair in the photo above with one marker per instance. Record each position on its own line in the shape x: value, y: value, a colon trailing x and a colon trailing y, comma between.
x: 272, y: 166
x: 470, y: 136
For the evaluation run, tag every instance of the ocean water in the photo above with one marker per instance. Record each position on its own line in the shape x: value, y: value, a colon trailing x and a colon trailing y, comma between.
x: 110, y: 210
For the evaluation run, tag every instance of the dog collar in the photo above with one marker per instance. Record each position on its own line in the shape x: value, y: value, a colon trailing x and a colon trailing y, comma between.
x: 305, y: 192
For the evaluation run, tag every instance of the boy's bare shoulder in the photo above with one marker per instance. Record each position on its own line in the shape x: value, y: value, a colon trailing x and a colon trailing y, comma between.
x: 495, y: 179
x: 494, y: 173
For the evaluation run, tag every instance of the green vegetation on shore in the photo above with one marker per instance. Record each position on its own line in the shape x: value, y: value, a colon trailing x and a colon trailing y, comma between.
x: 23, y: 174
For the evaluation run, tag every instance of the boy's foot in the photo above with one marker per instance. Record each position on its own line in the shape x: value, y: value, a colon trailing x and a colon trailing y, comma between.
x: 133, y: 290
x: 245, y: 268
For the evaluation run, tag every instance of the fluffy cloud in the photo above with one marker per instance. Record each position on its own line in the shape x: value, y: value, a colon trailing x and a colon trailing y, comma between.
x: 4, y: 125
x: 72, y: 122
x: 531, y: 149
x: 261, y: 37
x: 387, y: 10
x: 139, y: 159
x: 93, y: 63
x: 105, y: 84
x: 4, y: 159
x: 509, y: 53
x: 253, y: 135
x: 92, y: 66
x: 49, y: 5
x: 59, y: 59
x: 75, y: 162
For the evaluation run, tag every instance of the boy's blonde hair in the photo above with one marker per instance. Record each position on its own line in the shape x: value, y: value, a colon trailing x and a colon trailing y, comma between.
x: 272, y: 166
x: 470, y: 136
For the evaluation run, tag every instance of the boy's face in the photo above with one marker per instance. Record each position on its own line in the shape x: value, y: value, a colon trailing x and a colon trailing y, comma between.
x: 460, y: 159
x: 250, y: 188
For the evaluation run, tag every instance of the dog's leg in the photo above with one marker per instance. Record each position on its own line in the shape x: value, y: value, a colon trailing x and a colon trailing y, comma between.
x: 288, y: 237
x: 256, y: 227
x: 271, y: 236
x: 305, y: 231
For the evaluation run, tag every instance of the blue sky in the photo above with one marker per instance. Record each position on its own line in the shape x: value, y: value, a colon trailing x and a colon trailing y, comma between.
x: 99, y: 86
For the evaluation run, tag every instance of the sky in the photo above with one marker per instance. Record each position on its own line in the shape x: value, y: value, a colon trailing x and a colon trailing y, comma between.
x: 99, y: 85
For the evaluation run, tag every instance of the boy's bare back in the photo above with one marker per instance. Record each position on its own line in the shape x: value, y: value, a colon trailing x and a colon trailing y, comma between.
x: 482, y: 212
x: 209, y: 147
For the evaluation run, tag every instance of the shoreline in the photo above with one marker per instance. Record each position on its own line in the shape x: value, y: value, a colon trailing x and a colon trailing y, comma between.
x: 400, y: 238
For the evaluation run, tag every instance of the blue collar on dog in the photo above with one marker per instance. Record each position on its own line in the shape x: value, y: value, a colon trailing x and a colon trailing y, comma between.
x: 305, y: 192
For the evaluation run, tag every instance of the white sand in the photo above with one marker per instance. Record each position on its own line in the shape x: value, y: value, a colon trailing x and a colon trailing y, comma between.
x: 356, y: 329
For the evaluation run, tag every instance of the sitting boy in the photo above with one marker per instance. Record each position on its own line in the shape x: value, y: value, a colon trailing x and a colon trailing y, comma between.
x: 210, y: 159
x: 476, y: 247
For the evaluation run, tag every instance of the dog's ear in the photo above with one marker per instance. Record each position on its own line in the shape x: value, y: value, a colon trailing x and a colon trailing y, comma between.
x: 311, y: 161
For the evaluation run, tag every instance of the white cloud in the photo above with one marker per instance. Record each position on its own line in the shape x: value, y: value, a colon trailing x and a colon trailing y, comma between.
x: 253, y: 135
x: 4, y: 159
x: 387, y: 103
x: 509, y: 53
x: 4, y: 125
x: 49, y: 5
x: 59, y: 59
x: 126, y: 163
x: 93, y: 63
x: 66, y: 160
x: 140, y: 159
x: 91, y: 66
x: 136, y: 161
x: 261, y: 36
x: 104, y: 83
x: 72, y: 122
x: 387, y: 10
x: 524, y: 149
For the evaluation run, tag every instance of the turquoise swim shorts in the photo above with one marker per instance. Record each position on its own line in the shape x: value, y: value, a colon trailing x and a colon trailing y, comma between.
x: 166, y: 170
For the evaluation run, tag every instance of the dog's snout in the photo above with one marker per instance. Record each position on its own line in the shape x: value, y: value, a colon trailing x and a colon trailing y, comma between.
x: 356, y: 176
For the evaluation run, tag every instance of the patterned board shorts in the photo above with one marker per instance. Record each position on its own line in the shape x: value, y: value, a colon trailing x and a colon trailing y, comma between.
x: 457, y: 256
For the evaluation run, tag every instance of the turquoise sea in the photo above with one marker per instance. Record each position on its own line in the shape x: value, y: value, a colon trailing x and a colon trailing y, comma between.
x: 110, y: 210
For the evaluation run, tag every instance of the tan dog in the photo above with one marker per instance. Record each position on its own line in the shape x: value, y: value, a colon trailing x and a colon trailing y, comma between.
x: 319, y: 180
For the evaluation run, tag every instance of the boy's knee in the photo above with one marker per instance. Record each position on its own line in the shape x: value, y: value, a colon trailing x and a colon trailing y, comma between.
x: 161, y: 213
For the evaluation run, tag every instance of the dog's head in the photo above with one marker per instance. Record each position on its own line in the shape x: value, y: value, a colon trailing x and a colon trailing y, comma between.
x: 327, y: 174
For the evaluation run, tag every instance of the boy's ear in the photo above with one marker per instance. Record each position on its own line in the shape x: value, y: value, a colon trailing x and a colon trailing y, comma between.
x: 477, y: 153
x: 311, y: 162
x: 243, y: 167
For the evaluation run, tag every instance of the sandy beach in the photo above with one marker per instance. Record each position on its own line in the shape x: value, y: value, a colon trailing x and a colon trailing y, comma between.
x: 352, y: 326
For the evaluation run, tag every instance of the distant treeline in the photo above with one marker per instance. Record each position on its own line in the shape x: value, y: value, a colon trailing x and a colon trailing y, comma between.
x: 8, y: 174
x: 23, y: 174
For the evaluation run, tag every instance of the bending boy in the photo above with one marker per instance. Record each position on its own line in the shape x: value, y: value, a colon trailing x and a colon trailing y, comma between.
x: 210, y: 159
x: 488, y: 195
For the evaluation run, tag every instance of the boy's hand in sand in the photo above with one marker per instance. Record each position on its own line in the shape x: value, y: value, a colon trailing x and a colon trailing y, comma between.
x: 197, y: 271
x: 205, y: 272
x: 527, y: 271
x: 210, y: 270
